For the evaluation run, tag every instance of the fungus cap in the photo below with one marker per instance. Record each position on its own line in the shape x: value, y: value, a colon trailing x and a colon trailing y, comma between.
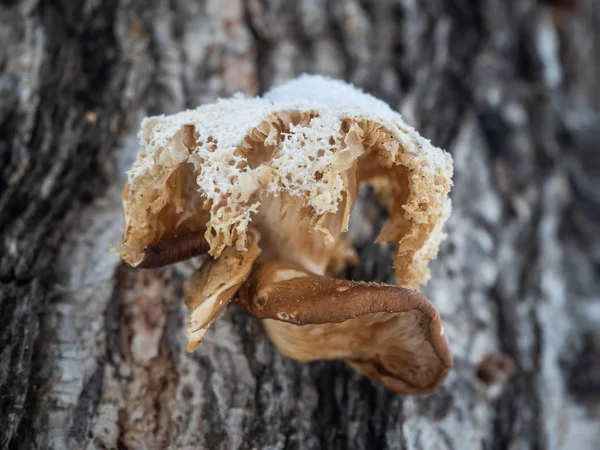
x: 392, y: 334
x: 290, y: 163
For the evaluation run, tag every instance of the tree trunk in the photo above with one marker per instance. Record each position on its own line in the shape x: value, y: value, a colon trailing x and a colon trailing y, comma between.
x: 92, y: 353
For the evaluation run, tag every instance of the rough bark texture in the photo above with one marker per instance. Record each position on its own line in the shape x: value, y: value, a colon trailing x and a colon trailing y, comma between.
x: 92, y: 353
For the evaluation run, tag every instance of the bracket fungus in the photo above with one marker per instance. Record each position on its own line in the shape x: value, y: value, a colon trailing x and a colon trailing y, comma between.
x: 266, y: 186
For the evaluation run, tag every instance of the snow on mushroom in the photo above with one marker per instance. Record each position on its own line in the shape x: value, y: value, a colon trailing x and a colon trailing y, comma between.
x: 270, y: 183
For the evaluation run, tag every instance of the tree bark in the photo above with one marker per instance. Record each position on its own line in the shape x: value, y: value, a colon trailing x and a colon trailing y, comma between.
x: 92, y: 353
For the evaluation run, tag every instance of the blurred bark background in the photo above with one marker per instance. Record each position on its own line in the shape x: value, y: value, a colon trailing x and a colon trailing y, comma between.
x: 92, y: 353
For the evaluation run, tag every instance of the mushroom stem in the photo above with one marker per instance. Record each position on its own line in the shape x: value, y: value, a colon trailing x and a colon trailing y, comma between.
x: 391, y: 334
x: 174, y: 249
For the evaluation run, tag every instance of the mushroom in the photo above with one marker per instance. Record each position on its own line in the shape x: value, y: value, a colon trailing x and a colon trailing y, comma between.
x: 391, y: 334
x: 270, y: 184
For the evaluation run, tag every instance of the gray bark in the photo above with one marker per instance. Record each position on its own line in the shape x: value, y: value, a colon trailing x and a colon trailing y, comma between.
x: 92, y: 353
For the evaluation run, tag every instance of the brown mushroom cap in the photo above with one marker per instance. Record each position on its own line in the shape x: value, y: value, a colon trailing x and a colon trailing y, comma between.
x: 174, y: 249
x: 391, y: 334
